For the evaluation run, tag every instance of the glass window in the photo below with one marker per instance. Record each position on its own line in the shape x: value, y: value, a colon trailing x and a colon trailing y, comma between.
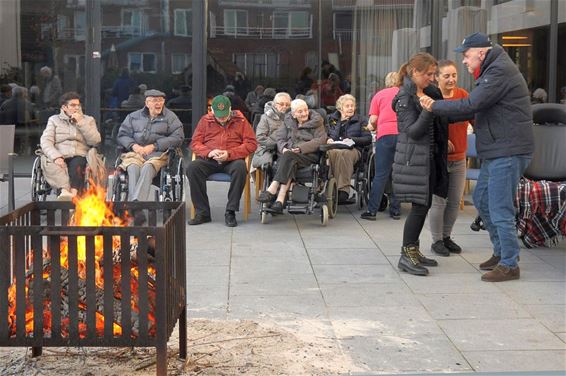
x: 235, y: 22
x: 142, y: 62
x: 80, y: 25
x: 132, y: 21
x: 179, y: 62
x: 183, y: 24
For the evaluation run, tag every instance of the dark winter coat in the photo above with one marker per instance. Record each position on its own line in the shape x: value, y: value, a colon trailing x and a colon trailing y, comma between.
x: 421, y: 154
x: 308, y: 137
x: 354, y: 128
x: 502, y: 108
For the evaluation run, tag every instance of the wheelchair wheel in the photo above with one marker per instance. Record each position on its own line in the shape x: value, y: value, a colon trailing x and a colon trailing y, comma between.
x: 264, y: 217
x: 370, y: 173
x: 332, y: 197
x: 39, y: 186
x: 120, y: 186
x: 324, y: 214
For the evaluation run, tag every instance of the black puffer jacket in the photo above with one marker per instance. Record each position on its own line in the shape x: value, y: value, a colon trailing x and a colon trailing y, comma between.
x: 354, y: 128
x: 422, y: 135
x: 502, y: 108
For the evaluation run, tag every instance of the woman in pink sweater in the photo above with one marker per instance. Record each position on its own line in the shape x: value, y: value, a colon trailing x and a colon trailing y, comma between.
x: 384, y: 121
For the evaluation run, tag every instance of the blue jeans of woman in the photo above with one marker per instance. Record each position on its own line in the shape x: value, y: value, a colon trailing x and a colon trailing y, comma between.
x: 384, y: 154
x: 494, y: 198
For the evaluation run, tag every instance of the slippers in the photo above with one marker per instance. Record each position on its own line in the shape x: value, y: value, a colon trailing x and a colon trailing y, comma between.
x: 266, y: 196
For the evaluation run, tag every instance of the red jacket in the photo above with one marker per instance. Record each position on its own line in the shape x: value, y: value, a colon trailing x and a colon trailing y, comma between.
x: 237, y: 137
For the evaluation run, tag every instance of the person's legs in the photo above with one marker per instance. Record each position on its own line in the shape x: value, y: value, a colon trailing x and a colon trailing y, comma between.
x: 76, y: 167
x: 238, y: 171
x: 481, y: 202
x: 342, y: 163
x: 197, y: 173
x: 502, y: 187
x: 456, y: 184
x: 133, y: 177
x: 414, y: 224
x: 436, y: 217
x: 384, y: 154
x: 143, y: 185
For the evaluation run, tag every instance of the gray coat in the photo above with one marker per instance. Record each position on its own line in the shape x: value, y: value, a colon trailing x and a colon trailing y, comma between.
x: 308, y: 137
x: 502, y: 108
x: 165, y: 131
x: 265, y: 132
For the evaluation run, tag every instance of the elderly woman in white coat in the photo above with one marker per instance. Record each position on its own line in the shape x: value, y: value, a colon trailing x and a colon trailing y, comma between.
x: 65, y: 143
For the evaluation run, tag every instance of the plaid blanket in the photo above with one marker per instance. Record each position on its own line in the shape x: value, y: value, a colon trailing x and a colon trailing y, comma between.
x: 541, y: 218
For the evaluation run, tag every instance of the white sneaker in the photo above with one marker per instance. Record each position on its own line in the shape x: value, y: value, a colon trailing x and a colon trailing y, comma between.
x: 65, y: 195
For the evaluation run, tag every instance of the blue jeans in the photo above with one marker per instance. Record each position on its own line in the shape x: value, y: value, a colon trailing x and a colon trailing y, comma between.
x: 384, y: 154
x: 494, y: 198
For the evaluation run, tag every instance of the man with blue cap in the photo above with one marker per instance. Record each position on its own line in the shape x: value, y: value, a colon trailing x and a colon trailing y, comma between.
x: 500, y: 104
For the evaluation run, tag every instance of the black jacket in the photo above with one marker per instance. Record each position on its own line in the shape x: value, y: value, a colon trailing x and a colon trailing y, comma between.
x: 354, y: 128
x: 502, y: 108
x: 422, y: 135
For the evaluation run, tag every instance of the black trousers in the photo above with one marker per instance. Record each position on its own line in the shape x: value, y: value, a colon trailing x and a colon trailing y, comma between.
x: 289, y: 163
x: 200, y: 169
x: 76, y: 167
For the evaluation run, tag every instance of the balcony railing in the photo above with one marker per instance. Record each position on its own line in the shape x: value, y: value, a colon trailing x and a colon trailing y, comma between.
x: 107, y: 32
x: 346, y: 34
x: 262, y: 32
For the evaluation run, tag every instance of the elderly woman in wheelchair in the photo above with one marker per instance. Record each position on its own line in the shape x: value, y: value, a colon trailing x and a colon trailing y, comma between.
x: 347, y: 136
x: 65, y: 143
x: 298, y: 142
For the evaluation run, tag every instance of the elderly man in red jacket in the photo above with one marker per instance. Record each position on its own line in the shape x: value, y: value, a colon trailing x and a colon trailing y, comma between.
x: 221, y: 142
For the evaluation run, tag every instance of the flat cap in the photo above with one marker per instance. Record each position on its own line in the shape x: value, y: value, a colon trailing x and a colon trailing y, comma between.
x: 154, y: 93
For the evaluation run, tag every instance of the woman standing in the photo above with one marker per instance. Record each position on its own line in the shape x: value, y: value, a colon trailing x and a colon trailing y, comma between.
x: 444, y: 211
x: 384, y: 121
x: 419, y: 167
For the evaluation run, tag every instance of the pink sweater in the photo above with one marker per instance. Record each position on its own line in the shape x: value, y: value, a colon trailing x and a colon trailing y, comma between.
x: 381, y: 107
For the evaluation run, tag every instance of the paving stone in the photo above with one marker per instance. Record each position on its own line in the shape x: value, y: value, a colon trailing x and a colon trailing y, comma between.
x: 527, y: 292
x: 207, y: 275
x: 208, y: 257
x: 346, y: 256
x: 306, y: 306
x: 368, y: 295
x: 448, y: 283
x: 510, y: 361
x: 551, y: 316
x: 337, y: 274
x: 497, y: 335
x: 472, y: 306
x: 299, y: 284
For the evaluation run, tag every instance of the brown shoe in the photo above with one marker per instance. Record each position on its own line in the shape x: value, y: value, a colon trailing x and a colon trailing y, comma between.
x: 491, y: 263
x: 501, y: 273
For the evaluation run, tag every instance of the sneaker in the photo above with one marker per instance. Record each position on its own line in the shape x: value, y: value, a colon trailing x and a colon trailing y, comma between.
x: 395, y: 215
x: 452, y: 247
x: 491, y: 263
x: 439, y: 248
x: 344, y: 198
x: 65, y: 195
x: 230, y: 218
x: 369, y: 216
x: 199, y: 219
x: 501, y: 273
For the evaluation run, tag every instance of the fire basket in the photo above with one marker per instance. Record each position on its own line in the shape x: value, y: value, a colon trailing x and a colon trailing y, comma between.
x: 105, y: 286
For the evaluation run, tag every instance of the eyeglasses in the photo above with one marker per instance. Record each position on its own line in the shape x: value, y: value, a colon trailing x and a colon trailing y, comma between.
x: 155, y: 100
x: 73, y: 105
x: 283, y: 104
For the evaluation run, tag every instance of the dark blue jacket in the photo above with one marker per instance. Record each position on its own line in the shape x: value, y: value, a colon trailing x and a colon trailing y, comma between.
x: 501, y: 105
x: 354, y: 128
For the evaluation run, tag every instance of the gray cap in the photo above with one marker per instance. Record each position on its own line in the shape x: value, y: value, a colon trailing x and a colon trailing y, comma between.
x: 154, y: 93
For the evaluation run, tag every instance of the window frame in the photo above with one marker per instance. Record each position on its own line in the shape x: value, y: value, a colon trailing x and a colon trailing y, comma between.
x: 142, y: 69
x: 237, y: 28
x: 176, y: 19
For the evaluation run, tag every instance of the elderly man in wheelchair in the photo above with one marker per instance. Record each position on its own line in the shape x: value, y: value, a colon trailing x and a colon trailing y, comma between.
x: 146, y: 136
x: 65, y: 143
x: 347, y: 136
x: 298, y: 142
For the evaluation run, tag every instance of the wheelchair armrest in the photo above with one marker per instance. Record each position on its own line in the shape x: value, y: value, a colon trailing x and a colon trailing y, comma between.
x: 324, y: 148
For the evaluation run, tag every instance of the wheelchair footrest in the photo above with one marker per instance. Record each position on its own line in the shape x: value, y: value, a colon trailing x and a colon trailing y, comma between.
x: 297, y: 209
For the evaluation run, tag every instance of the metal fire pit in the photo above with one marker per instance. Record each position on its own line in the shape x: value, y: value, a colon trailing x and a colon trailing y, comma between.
x: 42, y: 225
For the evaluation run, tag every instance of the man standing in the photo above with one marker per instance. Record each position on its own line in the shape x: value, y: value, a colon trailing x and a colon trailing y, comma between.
x: 221, y: 142
x: 504, y: 140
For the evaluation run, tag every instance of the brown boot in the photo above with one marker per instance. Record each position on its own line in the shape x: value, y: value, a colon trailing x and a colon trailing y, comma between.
x: 491, y: 263
x: 502, y: 273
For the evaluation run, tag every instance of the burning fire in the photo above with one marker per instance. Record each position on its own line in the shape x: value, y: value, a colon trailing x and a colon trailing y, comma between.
x: 90, y: 210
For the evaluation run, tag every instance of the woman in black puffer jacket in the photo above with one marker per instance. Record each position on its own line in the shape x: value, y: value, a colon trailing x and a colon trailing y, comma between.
x: 420, y: 164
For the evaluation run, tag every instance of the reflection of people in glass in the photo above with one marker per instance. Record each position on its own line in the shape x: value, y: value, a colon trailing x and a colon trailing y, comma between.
x: 52, y: 88
x: 539, y: 96
x: 444, y: 211
x: 183, y: 100
x: 65, y: 143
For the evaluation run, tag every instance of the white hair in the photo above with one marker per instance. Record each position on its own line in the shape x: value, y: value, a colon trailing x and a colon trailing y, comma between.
x: 297, y: 103
x: 281, y: 95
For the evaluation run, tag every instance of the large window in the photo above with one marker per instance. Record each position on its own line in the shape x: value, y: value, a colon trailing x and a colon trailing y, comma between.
x: 291, y: 24
x: 142, y: 62
x: 183, y: 23
x: 179, y: 62
x: 132, y: 21
x: 258, y: 65
x: 235, y: 22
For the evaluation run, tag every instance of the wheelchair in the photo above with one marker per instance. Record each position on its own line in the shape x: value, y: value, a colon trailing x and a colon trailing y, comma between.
x: 313, y: 189
x: 40, y: 188
x: 170, y: 181
x: 364, y: 172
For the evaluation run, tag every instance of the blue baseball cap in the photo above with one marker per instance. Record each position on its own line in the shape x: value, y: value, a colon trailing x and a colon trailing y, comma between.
x: 475, y: 40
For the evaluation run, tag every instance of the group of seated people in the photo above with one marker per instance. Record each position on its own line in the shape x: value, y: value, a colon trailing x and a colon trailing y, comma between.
x: 221, y: 141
